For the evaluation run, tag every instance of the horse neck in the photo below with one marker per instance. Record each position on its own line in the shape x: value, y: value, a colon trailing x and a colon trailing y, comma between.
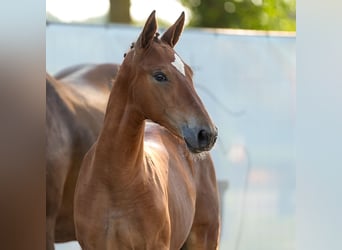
x: 120, y: 147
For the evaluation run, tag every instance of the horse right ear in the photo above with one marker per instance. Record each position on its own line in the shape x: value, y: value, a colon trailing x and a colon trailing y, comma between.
x: 150, y: 28
x: 173, y: 33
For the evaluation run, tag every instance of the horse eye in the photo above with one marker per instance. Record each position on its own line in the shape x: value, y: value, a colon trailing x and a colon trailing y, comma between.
x: 160, y: 77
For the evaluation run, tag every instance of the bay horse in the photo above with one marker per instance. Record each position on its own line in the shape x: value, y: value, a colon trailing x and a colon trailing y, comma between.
x: 76, y: 99
x: 148, y: 181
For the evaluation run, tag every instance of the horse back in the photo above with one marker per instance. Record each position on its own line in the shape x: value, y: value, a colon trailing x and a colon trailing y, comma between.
x: 99, y: 76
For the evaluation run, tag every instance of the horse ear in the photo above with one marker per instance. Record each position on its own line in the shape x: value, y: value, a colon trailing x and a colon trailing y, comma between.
x: 150, y: 28
x: 173, y: 33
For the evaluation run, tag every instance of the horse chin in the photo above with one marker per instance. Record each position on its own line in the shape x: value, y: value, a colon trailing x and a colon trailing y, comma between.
x: 193, y: 149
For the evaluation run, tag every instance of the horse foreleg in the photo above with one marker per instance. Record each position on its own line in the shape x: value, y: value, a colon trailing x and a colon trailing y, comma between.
x: 202, y: 237
x: 54, y: 194
x: 205, y: 230
x: 50, y: 235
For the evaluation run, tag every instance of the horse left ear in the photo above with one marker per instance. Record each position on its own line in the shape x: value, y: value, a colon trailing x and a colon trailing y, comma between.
x: 150, y: 28
x: 173, y: 33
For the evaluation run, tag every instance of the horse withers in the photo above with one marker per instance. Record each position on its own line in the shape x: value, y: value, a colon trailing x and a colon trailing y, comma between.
x: 76, y: 99
x: 148, y: 181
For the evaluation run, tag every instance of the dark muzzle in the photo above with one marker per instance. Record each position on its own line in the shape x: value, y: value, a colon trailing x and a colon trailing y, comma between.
x: 199, y: 139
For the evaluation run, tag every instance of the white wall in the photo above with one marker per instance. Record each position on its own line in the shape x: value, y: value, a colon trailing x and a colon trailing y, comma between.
x: 247, y: 82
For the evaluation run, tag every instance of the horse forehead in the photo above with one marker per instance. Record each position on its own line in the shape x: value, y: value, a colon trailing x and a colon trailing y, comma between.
x: 174, y: 59
x: 178, y: 64
x: 169, y: 56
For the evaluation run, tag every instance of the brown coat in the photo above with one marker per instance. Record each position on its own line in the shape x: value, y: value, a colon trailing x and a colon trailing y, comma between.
x: 75, y: 103
x: 150, y: 185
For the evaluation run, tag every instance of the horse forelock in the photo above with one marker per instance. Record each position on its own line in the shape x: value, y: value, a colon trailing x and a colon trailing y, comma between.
x: 155, y: 39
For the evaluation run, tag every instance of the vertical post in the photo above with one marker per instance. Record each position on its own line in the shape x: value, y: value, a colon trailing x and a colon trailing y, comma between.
x: 119, y: 11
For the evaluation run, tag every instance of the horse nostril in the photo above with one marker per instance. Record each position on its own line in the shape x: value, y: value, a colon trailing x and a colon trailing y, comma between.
x: 214, y: 138
x: 215, y: 134
x: 203, y: 138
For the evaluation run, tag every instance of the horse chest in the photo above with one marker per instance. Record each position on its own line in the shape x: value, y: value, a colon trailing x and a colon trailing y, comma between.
x: 141, y: 222
x: 175, y: 177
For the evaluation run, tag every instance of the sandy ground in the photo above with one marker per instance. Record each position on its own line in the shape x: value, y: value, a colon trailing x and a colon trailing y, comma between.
x: 72, y: 245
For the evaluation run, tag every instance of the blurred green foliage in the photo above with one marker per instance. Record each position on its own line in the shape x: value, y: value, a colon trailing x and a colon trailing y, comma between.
x: 277, y: 15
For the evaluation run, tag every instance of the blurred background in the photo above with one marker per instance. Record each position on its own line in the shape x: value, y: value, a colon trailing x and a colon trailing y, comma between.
x: 243, y: 53
x: 236, y: 14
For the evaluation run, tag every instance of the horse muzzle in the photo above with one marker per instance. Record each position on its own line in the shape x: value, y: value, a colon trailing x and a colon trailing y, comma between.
x: 199, y: 139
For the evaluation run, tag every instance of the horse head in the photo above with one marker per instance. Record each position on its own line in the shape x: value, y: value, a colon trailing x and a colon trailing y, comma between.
x: 161, y: 86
